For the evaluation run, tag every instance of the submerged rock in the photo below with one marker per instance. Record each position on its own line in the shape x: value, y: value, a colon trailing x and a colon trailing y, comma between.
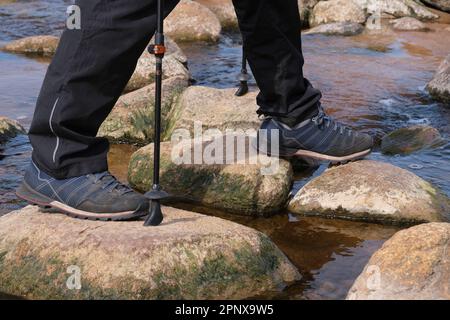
x: 439, y: 86
x: 337, y: 11
x: 408, y: 24
x: 224, y: 10
x: 338, y: 28
x: 9, y: 129
x: 372, y: 191
x: 192, y: 21
x: 410, y: 139
x: 213, y: 108
x: 132, y: 121
x: 204, y: 172
x: 189, y: 256
x: 39, y: 45
x: 413, y: 265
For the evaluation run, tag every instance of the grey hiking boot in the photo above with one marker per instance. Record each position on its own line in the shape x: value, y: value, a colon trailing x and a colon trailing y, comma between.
x: 93, y: 196
x: 318, y: 138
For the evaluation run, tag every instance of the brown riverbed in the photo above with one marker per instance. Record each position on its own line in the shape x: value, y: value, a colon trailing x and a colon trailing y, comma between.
x: 375, y: 82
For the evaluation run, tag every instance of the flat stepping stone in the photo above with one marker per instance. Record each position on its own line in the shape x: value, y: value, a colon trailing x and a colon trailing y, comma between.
x: 189, y: 256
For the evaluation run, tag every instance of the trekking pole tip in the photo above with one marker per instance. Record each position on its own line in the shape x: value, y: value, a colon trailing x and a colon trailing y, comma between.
x: 155, y: 216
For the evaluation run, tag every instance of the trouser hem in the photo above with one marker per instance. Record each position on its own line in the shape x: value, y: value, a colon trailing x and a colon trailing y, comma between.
x: 74, y: 170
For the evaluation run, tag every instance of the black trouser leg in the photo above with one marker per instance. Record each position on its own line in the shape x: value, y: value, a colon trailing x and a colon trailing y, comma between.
x: 272, y: 42
x: 86, y: 77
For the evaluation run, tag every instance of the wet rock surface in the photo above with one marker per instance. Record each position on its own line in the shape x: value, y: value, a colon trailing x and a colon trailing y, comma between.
x: 410, y: 139
x: 189, y: 256
x: 413, y: 265
x: 372, y: 191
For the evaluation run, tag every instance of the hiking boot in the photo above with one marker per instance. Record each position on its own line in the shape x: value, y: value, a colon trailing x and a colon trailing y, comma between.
x: 96, y: 196
x: 318, y: 138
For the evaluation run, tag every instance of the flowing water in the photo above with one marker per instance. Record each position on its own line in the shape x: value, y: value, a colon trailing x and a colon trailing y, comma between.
x: 373, y: 82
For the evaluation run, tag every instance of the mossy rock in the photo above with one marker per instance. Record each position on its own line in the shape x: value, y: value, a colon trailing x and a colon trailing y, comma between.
x: 410, y: 139
x: 246, y: 189
x: 189, y: 256
x: 132, y: 118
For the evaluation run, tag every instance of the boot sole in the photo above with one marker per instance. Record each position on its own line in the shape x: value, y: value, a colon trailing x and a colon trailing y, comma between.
x: 24, y: 192
x: 307, y: 154
x: 332, y: 159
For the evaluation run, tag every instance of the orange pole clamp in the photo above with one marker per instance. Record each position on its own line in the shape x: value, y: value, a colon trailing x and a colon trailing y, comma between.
x: 159, y: 49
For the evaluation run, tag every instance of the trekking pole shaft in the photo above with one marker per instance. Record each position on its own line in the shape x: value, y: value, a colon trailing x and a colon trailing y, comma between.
x: 157, y: 137
x: 159, y: 43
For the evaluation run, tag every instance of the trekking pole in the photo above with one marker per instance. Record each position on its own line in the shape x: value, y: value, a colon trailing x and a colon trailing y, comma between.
x: 243, y: 77
x: 155, y: 216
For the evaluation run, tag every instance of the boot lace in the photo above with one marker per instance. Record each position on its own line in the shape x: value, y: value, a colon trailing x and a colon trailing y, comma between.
x: 322, y: 120
x: 110, y: 183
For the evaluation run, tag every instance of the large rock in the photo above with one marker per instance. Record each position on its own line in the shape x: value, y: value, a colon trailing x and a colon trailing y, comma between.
x: 245, y: 185
x: 396, y: 8
x: 372, y: 191
x: 337, y: 11
x: 192, y: 21
x: 224, y: 10
x: 174, y: 65
x: 410, y: 139
x: 189, y: 256
x: 408, y: 24
x: 132, y: 118
x: 413, y: 265
x: 213, y: 108
x: 338, y: 28
x: 9, y: 129
x: 443, y: 5
x: 439, y: 86
x: 39, y: 45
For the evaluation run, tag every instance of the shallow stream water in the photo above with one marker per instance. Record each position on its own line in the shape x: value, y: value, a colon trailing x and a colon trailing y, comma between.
x: 373, y: 82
